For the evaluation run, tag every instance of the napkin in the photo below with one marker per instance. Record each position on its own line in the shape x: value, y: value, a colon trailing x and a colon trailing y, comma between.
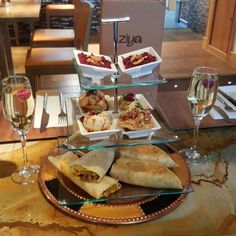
x: 216, y: 116
x: 53, y: 109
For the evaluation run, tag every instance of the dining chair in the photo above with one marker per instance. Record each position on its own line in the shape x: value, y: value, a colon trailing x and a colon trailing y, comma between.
x: 56, y: 37
x: 58, y: 10
x: 58, y: 60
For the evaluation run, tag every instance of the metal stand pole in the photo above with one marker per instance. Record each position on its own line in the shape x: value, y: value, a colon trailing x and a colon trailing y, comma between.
x: 115, y: 22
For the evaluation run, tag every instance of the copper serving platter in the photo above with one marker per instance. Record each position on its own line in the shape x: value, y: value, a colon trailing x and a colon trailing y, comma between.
x: 127, y: 211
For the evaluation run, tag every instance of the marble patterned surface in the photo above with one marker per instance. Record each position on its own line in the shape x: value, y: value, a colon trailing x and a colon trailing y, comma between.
x: 209, y: 210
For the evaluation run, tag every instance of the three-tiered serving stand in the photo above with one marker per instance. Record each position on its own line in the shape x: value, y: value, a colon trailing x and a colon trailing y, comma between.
x: 136, y: 205
x: 116, y: 81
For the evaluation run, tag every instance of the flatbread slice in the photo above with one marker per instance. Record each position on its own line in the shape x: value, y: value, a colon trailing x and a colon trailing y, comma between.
x: 92, y: 166
x: 144, y: 173
x: 148, y: 152
x: 104, y: 188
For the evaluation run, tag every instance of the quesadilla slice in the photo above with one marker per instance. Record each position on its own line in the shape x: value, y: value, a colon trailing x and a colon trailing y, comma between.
x: 144, y: 173
x: 104, y: 188
x: 92, y: 166
x: 148, y: 152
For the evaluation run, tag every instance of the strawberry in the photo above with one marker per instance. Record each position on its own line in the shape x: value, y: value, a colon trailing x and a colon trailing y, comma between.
x: 208, y: 83
x: 130, y: 97
x: 82, y: 118
x: 23, y: 94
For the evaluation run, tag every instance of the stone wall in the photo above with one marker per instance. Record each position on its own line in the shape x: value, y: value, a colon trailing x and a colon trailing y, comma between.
x: 195, y: 12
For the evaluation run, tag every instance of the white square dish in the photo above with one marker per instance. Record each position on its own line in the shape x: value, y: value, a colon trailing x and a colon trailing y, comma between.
x: 100, y: 135
x: 94, y: 71
x: 139, y: 70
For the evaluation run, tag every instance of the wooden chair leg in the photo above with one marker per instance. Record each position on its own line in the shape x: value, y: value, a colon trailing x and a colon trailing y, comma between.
x: 48, y: 20
x: 32, y: 28
x: 33, y: 81
x: 16, y: 33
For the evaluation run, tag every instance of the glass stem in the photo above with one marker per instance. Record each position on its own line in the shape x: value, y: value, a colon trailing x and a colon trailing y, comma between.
x: 24, y: 151
x: 195, y: 133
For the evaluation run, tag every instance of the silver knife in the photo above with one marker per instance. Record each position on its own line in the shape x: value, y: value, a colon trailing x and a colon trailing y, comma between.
x: 229, y: 98
x: 45, y: 115
x: 222, y: 113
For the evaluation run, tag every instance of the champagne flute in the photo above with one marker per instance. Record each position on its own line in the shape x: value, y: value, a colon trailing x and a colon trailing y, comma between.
x: 201, y: 97
x: 18, y: 108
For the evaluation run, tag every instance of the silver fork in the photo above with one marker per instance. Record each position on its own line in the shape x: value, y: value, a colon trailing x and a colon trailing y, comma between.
x: 62, y: 114
x: 227, y: 107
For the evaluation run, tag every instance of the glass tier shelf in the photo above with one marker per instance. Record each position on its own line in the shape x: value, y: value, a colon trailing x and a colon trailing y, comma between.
x: 77, y: 142
x: 120, y: 80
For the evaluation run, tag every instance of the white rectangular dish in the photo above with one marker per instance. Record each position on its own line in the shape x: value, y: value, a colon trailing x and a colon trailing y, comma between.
x: 140, y: 70
x: 94, y: 71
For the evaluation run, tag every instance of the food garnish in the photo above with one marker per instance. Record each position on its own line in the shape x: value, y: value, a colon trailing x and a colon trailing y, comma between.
x: 23, y: 94
x: 125, y: 100
x: 208, y: 83
x: 138, y: 59
x: 99, y: 61
x: 129, y: 97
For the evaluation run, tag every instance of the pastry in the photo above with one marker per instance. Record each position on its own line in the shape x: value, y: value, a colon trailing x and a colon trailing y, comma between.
x: 94, y: 121
x: 144, y: 173
x: 136, y: 119
x: 148, y: 152
x: 93, y: 100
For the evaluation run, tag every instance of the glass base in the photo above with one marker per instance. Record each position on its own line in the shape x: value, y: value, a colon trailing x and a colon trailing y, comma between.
x: 6, y: 4
x: 35, y: 167
x: 27, y: 175
x: 193, y: 157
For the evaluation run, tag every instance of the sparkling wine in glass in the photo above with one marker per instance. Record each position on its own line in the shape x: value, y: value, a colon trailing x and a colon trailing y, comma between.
x: 201, y: 97
x: 18, y: 108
